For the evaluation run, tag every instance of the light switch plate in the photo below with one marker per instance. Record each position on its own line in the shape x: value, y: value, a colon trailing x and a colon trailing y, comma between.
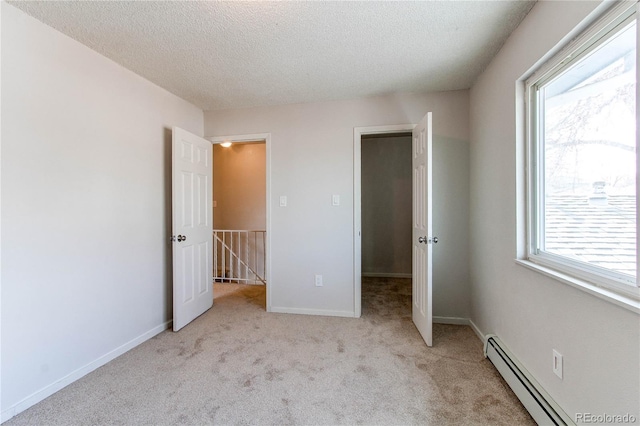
x: 283, y: 201
x: 335, y: 200
x: 557, y: 363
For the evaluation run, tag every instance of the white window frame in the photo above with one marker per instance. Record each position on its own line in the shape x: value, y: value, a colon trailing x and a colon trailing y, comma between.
x: 564, y: 268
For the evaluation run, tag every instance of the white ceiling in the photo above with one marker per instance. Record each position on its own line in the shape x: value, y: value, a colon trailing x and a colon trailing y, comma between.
x: 221, y: 55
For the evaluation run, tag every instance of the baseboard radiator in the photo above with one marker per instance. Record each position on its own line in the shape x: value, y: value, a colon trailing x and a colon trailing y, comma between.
x: 534, y: 398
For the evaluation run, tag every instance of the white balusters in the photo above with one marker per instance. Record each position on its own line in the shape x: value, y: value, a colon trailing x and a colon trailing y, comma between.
x: 239, y: 256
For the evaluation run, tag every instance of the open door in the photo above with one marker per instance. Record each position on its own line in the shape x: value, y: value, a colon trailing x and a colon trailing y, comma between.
x: 192, y: 236
x: 422, y: 238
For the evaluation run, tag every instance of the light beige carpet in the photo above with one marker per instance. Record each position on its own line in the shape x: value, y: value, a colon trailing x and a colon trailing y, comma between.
x: 238, y: 364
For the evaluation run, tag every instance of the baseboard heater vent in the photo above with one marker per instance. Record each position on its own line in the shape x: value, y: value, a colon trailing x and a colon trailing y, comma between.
x: 534, y: 398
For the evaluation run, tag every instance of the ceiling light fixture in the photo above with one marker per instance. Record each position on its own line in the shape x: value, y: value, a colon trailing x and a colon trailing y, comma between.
x: 225, y: 144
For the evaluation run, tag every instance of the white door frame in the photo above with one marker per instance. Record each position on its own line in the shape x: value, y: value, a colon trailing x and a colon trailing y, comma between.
x: 358, y: 132
x: 266, y: 137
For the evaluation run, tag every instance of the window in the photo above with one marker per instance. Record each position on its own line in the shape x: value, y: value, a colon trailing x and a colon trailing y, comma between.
x: 582, y: 143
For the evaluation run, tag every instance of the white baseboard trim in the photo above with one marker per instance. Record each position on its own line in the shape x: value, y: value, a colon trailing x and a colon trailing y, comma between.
x: 386, y: 275
x: 321, y: 312
x: 461, y: 321
x: 451, y: 320
x: 479, y: 333
x: 54, y: 387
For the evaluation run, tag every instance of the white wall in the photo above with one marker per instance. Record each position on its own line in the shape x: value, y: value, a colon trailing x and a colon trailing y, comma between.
x: 85, y: 208
x: 239, y: 186
x: 451, y: 225
x: 311, y: 159
x: 531, y: 313
x: 386, y: 205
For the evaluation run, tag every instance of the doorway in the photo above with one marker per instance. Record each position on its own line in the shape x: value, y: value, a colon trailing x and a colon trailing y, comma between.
x: 241, y: 206
x: 422, y: 205
x: 386, y: 202
x: 361, y: 134
x: 386, y: 194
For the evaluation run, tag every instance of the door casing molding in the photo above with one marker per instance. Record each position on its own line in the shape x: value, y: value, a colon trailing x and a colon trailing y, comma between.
x: 257, y: 137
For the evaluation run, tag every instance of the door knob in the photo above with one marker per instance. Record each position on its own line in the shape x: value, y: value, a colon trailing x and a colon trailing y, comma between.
x: 182, y: 238
x: 426, y: 240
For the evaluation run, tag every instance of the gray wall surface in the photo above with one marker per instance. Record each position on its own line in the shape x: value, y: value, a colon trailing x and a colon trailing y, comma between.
x: 532, y: 313
x: 86, y: 208
x: 312, y: 158
x: 386, y: 205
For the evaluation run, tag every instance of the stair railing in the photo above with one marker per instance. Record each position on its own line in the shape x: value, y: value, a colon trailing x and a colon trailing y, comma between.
x: 239, y: 256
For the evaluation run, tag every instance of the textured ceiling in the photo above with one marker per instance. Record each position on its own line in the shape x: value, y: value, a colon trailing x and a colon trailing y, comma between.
x: 238, y: 54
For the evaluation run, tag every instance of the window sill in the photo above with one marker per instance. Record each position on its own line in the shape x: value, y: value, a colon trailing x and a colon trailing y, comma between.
x: 601, y: 293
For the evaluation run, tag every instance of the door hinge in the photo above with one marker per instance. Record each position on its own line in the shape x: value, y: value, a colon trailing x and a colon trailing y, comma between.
x: 172, y: 239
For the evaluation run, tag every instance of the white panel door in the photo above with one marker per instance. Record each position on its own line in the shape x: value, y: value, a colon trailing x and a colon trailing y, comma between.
x: 192, y: 236
x: 422, y: 238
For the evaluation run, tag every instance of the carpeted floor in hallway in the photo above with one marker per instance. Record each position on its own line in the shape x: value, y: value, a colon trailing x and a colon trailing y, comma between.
x: 238, y: 364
